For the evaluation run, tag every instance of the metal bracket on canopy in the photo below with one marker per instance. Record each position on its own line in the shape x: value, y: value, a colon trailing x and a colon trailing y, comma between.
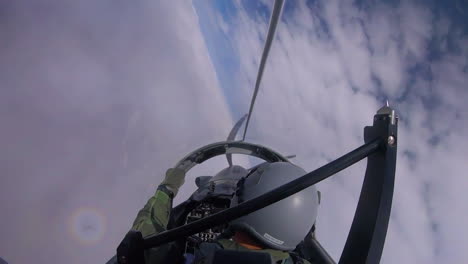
x: 366, y: 238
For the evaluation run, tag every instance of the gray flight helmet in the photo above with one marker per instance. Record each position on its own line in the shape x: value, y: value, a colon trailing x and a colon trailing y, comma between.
x: 281, y: 225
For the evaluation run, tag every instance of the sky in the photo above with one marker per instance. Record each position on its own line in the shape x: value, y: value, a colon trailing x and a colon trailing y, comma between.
x: 98, y: 99
x: 332, y: 65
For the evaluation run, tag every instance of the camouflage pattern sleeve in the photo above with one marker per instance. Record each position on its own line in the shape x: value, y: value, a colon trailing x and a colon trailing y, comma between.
x: 153, y: 218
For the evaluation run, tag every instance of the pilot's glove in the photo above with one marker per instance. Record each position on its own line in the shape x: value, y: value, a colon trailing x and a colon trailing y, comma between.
x: 174, y: 179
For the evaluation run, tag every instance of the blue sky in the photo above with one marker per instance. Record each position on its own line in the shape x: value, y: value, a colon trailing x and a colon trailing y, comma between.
x: 226, y: 59
x: 222, y: 54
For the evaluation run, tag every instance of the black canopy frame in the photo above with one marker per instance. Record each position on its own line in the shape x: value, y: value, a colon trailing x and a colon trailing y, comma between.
x: 366, y: 238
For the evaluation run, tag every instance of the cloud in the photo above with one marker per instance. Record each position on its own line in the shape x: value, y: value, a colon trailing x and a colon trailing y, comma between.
x: 332, y: 65
x: 97, y: 100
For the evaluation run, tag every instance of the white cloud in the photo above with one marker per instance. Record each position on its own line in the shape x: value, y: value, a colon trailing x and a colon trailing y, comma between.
x: 97, y: 101
x: 331, y: 67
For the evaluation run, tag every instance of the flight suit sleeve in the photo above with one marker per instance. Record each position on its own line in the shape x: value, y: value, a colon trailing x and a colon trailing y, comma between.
x: 154, y: 216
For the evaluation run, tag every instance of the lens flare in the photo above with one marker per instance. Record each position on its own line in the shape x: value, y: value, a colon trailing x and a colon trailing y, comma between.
x: 87, y: 225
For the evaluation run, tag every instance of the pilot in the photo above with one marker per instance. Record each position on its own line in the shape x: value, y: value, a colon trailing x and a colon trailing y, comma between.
x: 276, y: 229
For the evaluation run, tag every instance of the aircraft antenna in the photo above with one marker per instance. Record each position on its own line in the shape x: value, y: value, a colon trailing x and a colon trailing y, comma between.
x: 275, y: 16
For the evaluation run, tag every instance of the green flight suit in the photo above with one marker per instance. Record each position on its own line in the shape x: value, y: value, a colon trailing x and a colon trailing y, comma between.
x: 153, y: 218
